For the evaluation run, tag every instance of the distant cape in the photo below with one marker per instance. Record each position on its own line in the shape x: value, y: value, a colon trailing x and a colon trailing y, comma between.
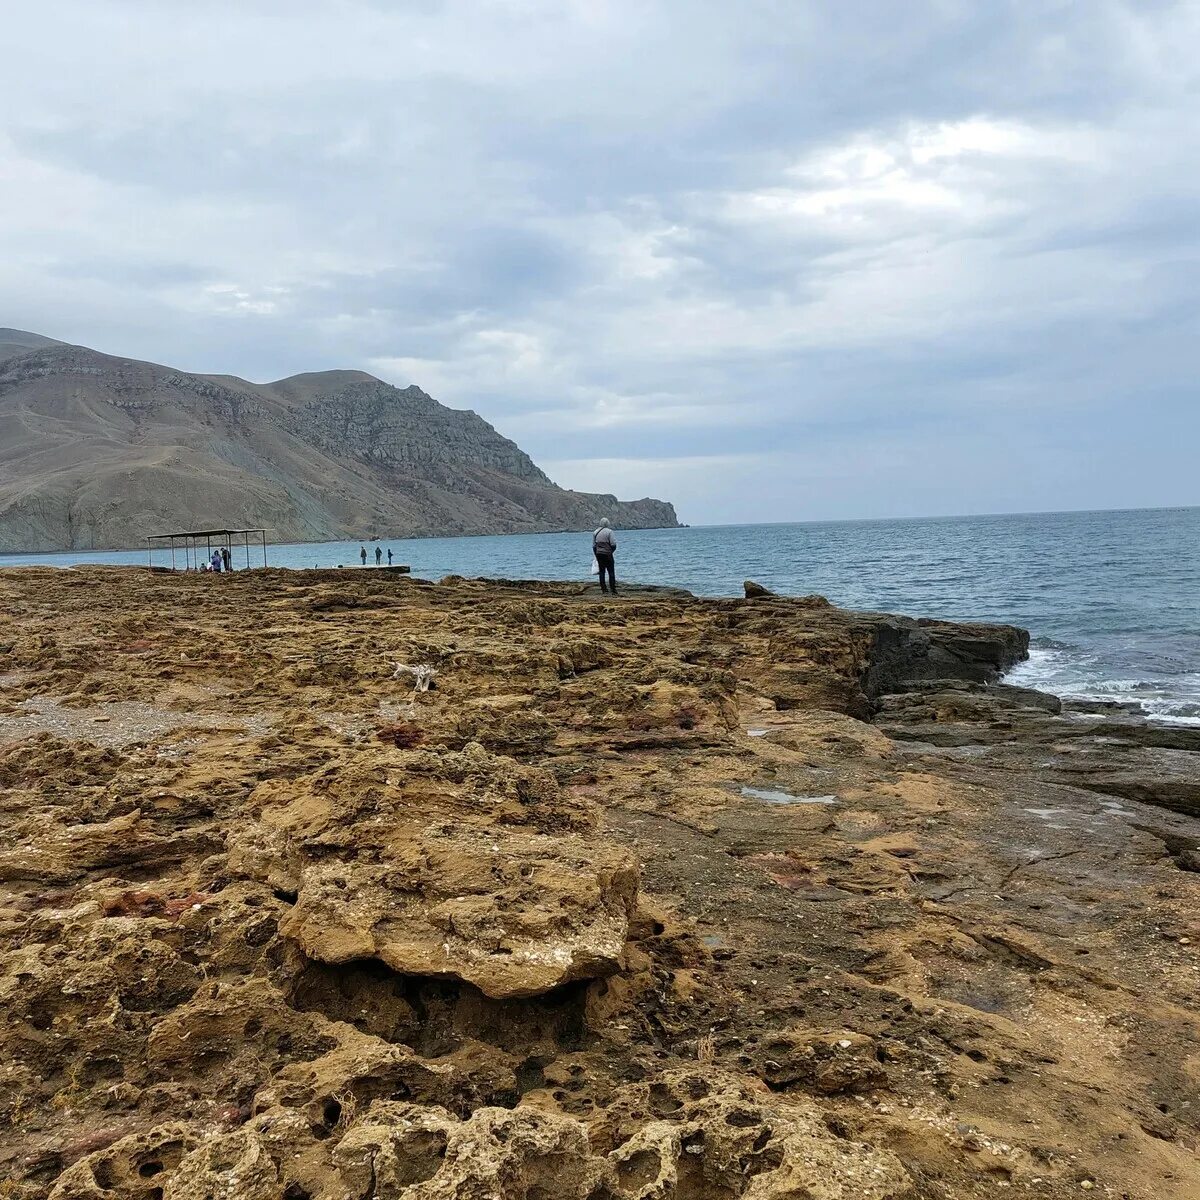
x: 97, y: 451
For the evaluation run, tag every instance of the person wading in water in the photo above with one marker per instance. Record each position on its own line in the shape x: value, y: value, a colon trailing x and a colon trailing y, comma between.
x: 604, y: 546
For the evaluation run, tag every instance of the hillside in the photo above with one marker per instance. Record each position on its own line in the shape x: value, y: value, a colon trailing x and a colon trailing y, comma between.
x: 97, y: 451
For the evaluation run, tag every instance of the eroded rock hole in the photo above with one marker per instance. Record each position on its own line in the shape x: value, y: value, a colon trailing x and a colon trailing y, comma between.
x: 741, y: 1118
x: 662, y: 1102
x: 424, y: 1153
x: 637, y: 1171
x: 437, y: 1017
x: 531, y: 1074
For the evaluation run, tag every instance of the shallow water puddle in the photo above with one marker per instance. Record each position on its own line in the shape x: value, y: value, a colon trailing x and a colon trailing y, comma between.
x: 774, y: 797
x: 1047, y: 813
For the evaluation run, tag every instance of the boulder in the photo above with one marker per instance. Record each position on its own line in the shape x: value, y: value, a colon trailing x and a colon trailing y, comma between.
x: 513, y: 913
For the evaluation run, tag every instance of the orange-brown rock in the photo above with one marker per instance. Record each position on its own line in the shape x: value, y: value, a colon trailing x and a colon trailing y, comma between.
x: 658, y: 898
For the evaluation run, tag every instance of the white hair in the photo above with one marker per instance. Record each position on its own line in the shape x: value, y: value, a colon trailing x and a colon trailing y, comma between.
x: 603, y: 522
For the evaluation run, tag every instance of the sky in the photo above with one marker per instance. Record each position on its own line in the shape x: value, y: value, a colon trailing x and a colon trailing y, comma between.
x: 772, y: 260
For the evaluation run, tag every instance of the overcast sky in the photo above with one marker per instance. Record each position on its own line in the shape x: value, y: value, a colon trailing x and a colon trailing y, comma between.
x: 772, y: 259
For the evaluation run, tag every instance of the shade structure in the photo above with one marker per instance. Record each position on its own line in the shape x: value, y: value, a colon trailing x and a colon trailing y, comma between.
x: 188, y: 540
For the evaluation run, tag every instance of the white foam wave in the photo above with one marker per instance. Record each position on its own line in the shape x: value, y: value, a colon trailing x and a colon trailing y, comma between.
x: 1077, y: 675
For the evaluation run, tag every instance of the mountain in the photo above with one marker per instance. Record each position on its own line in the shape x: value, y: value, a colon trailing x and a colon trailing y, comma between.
x: 98, y: 451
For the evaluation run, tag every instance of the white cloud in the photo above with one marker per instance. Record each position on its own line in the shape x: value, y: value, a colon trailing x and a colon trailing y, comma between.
x: 701, y: 241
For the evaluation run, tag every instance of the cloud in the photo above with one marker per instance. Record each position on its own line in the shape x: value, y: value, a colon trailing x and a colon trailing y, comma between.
x: 775, y: 258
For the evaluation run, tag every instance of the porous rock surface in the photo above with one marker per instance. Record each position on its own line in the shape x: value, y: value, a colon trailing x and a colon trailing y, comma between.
x: 656, y: 898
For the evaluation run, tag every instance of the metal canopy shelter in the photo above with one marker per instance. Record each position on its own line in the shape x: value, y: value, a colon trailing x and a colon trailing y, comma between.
x: 191, y: 544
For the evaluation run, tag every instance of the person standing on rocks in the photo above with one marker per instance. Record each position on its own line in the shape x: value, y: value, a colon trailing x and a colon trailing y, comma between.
x: 604, y: 547
x: 362, y: 553
x: 389, y: 556
x: 226, y: 558
x: 378, y: 556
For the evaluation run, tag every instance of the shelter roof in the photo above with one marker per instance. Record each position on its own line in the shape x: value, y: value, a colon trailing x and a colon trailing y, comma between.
x: 201, y: 533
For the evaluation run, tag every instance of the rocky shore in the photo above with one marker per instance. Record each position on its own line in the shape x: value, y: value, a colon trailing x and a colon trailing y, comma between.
x: 319, y: 886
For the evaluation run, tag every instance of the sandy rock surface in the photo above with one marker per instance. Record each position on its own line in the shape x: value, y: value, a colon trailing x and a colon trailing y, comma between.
x: 315, y: 887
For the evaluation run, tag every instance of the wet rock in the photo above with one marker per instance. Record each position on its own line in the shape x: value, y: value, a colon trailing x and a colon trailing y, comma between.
x: 825, y: 1062
x: 1167, y: 778
x: 905, y: 652
x: 1026, y: 730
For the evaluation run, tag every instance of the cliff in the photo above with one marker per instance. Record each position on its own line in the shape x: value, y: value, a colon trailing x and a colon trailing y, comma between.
x: 98, y: 451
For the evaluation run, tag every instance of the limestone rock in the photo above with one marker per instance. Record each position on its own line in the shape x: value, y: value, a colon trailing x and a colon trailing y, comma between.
x: 802, y: 989
x: 515, y: 914
x: 682, y: 1135
x: 498, y: 1154
x: 689, y: 1133
x: 130, y: 1167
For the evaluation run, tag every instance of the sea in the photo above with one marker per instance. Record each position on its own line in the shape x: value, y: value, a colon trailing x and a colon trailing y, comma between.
x: 1111, y: 599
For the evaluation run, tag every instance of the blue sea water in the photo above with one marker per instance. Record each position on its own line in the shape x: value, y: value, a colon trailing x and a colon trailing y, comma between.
x: 1112, y: 599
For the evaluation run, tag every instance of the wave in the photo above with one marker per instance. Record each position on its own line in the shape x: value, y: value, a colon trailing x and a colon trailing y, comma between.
x: 1072, y: 673
x: 1049, y: 643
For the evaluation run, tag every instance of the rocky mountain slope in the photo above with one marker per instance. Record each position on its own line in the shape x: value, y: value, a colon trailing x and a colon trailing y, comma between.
x: 662, y: 898
x: 98, y: 451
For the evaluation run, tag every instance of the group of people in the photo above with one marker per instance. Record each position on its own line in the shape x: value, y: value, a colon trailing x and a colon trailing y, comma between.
x: 362, y: 553
x: 604, y: 547
x: 221, y: 560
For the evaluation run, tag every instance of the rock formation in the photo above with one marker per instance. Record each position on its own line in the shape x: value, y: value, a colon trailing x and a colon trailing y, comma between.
x: 98, y: 451
x: 657, y: 899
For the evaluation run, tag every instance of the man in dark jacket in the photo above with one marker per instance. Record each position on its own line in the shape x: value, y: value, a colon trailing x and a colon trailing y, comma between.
x: 604, y: 546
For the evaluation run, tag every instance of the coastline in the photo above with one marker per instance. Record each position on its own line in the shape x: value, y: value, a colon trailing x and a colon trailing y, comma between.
x: 366, y: 540
x: 560, y: 902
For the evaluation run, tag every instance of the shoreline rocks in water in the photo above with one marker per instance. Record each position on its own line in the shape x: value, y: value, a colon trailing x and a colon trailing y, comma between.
x: 549, y: 941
